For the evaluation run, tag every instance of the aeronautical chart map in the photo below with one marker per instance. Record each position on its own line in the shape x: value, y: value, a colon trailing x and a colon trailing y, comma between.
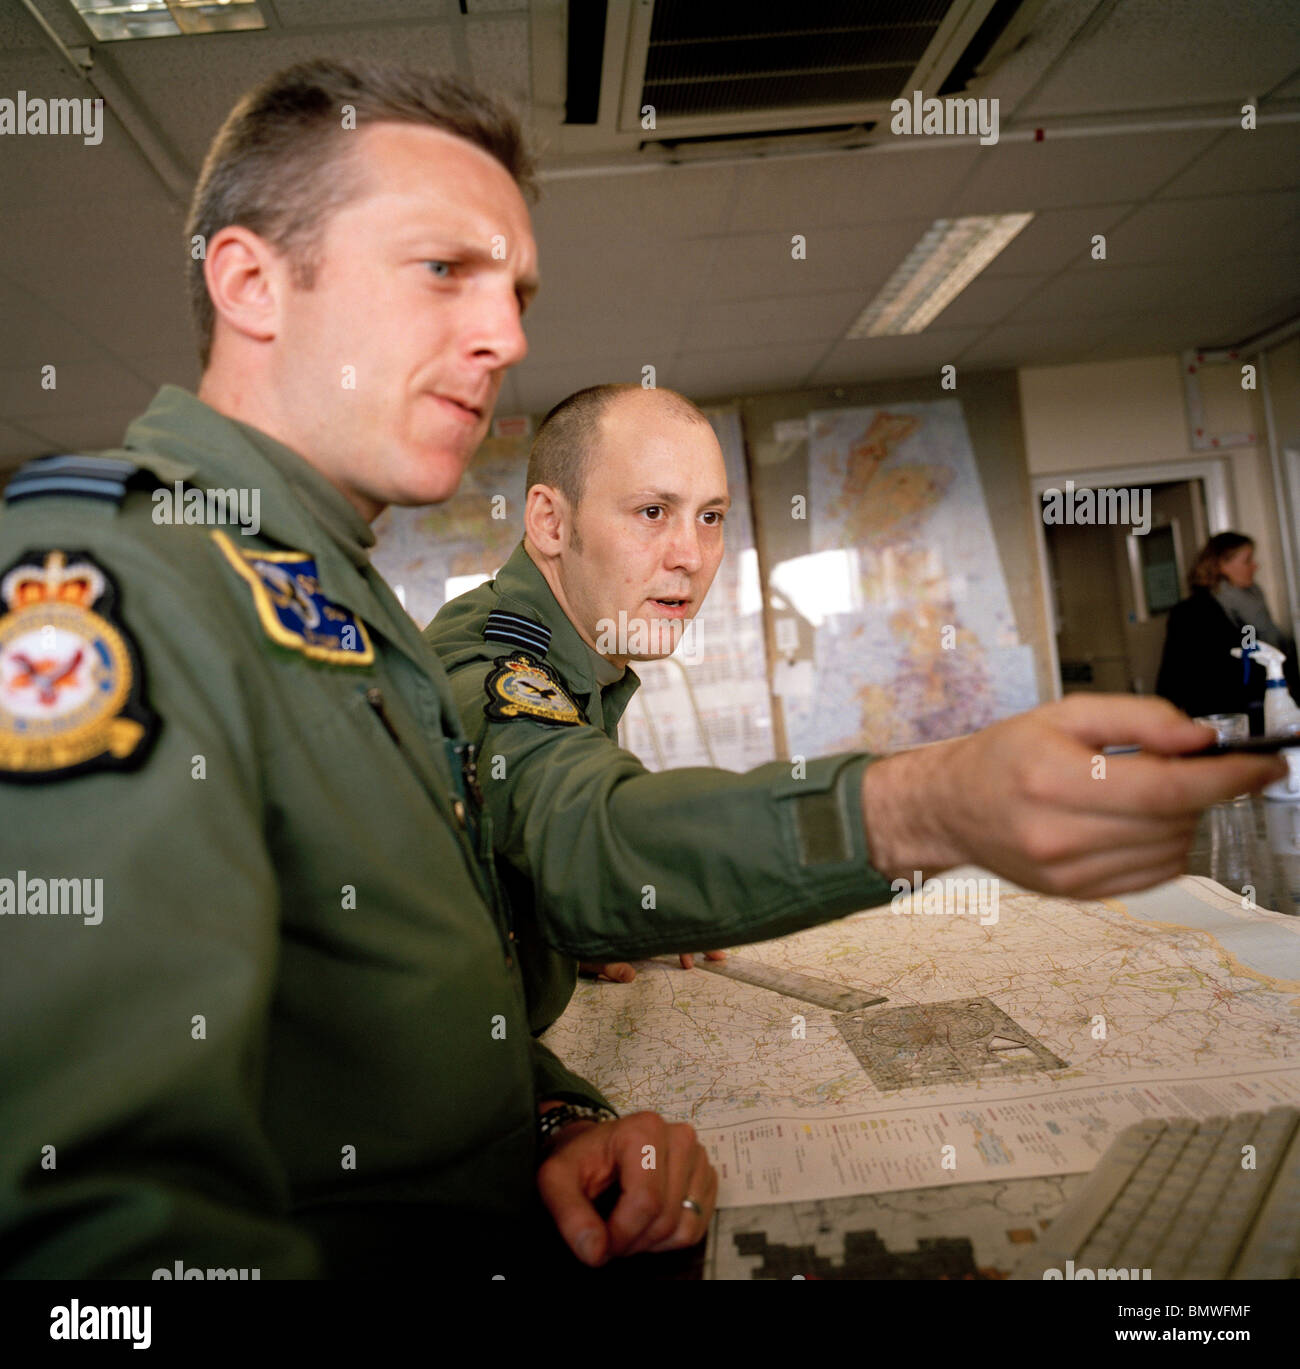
x: 1003, y: 1049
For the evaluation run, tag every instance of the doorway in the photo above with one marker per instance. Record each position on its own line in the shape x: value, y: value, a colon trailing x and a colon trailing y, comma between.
x: 1112, y: 589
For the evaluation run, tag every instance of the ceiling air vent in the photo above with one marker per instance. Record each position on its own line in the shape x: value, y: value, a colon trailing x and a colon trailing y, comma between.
x: 733, y: 67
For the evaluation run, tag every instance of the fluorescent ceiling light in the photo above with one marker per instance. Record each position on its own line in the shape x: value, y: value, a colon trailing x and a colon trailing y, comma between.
x: 949, y: 256
x: 112, y: 21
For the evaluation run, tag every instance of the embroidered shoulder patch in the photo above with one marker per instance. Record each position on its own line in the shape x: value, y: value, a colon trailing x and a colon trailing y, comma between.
x: 290, y: 606
x: 71, y: 690
x: 521, y: 686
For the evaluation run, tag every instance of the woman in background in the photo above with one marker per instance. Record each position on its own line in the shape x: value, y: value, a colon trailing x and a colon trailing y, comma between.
x: 1197, y: 671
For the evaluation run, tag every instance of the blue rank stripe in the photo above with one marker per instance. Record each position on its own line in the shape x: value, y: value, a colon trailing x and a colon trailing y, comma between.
x: 517, y: 631
x: 87, y: 477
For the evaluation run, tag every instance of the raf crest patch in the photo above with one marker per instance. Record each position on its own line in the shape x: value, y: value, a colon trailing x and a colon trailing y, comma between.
x: 286, y: 593
x: 521, y: 686
x: 71, y: 696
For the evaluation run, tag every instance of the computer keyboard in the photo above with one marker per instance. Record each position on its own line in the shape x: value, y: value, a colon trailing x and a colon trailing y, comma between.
x: 1179, y: 1198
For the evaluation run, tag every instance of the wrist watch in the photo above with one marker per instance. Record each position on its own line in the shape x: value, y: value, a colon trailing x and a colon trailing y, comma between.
x: 553, y: 1120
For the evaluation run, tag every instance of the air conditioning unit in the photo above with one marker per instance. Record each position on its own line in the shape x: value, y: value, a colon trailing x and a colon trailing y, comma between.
x: 652, y: 76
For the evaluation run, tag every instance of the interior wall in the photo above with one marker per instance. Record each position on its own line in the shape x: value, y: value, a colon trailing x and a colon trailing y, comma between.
x: 1283, y: 371
x: 1131, y: 412
x: 1284, y: 385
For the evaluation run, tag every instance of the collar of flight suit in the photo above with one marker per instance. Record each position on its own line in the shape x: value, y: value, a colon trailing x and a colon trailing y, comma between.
x: 179, y: 437
x: 522, y: 588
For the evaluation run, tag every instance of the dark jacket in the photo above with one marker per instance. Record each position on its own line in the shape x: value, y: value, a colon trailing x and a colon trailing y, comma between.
x: 1199, y: 674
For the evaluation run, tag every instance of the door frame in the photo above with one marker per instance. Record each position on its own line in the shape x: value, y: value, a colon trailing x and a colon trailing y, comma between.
x: 1220, y: 513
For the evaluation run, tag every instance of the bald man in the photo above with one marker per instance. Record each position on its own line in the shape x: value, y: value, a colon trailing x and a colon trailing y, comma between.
x: 561, y: 595
x: 602, y: 860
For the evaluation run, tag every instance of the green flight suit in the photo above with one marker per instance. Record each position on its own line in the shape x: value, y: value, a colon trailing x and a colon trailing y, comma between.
x: 549, y: 977
x: 298, y: 1036
x: 603, y: 860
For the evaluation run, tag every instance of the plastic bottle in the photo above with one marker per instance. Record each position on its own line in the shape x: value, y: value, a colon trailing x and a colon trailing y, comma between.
x: 1280, y: 716
x: 1280, y: 711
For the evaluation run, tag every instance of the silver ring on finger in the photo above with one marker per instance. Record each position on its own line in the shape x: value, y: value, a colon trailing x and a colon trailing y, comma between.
x: 693, y: 1206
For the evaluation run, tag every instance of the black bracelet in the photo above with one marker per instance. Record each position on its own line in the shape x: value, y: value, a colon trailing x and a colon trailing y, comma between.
x: 553, y: 1119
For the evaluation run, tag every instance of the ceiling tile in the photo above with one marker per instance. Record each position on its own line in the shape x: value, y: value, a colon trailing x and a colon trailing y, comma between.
x: 82, y: 432
x: 1052, y: 239
x: 610, y: 274
x: 61, y: 173
x: 542, y: 387
x: 1168, y: 331
x: 80, y: 387
x: 746, y: 370
x: 1013, y: 177
x: 1240, y: 162
x: 32, y: 330
x: 18, y: 444
x: 591, y: 334
x: 190, y: 84
x: 1100, y: 288
x: 508, y: 402
x: 690, y: 266
x: 913, y: 355
x: 1240, y: 287
x: 500, y: 56
x: 987, y: 300
x: 756, y: 265
x: 1207, y: 227
x: 1207, y: 53
x: 178, y: 367
x: 19, y: 30
x: 668, y: 202
x: 796, y: 195
x: 789, y: 318
x: 1032, y: 344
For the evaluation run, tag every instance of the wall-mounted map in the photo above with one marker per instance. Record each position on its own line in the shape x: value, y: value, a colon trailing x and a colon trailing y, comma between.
x: 914, y: 637
x: 421, y: 552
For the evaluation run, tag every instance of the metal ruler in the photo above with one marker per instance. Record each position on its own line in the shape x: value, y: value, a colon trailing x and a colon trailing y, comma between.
x: 822, y: 992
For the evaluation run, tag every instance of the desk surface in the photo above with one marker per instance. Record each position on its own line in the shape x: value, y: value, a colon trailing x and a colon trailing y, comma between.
x: 1197, y: 1021
x: 1252, y: 843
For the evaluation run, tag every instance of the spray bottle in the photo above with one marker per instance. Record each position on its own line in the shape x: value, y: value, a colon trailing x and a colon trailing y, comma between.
x: 1280, y: 716
x: 1280, y: 711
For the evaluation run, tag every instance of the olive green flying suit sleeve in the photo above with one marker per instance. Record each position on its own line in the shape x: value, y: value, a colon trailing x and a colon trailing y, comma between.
x: 129, y: 1143
x: 624, y: 862
x: 281, y: 1022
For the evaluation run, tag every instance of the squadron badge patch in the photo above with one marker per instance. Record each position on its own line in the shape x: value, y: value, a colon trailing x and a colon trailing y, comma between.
x: 71, y: 691
x: 521, y: 686
x: 292, y: 609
